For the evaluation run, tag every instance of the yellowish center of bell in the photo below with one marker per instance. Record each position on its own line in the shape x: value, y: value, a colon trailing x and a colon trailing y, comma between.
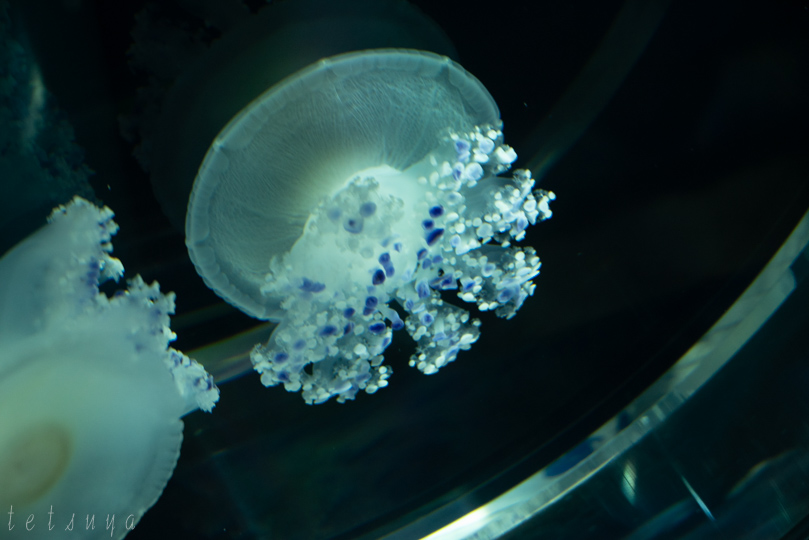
x: 31, y: 462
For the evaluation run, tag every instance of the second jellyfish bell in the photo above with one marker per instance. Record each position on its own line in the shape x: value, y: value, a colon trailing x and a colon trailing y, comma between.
x: 365, y: 182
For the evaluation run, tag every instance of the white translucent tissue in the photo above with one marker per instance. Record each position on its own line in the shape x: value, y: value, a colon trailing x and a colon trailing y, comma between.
x: 379, y: 256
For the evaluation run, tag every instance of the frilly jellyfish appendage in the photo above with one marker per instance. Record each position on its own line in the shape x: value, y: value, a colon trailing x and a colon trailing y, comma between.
x: 392, y: 242
x: 91, y: 394
x: 67, y: 261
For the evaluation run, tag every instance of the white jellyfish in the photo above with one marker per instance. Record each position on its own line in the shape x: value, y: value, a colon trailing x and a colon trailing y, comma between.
x: 347, y: 201
x: 91, y: 394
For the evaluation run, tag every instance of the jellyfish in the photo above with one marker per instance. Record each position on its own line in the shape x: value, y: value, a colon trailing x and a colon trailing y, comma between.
x: 351, y: 202
x: 91, y: 394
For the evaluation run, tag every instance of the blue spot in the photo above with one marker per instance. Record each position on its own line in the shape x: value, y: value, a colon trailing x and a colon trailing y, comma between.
x: 281, y: 357
x: 461, y: 146
x: 455, y: 242
x: 385, y: 342
x: 378, y: 277
x: 334, y: 213
x: 312, y: 286
x: 328, y: 330
x: 300, y: 344
x: 377, y: 328
x: 422, y: 289
x: 176, y: 358
x: 427, y: 264
x: 367, y: 209
x: 467, y: 284
x: 426, y: 319
x: 398, y: 324
x: 438, y: 259
x: 409, y: 305
x: 454, y: 197
x: 421, y: 253
x: 353, y: 225
x: 505, y: 295
x: 370, y: 305
x: 433, y: 236
x: 283, y: 376
x: 348, y: 312
x: 397, y: 246
x: 384, y: 258
x: 457, y: 171
x: 389, y: 270
x: 348, y: 328
x: 436, y: 211
x: 427, y: 224
x: 443, y: 282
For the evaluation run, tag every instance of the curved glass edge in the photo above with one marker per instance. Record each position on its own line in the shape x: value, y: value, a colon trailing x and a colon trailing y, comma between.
x: 774, y: 284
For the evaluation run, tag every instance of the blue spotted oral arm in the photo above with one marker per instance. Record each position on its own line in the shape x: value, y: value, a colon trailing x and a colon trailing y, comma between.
x: 381, y: 254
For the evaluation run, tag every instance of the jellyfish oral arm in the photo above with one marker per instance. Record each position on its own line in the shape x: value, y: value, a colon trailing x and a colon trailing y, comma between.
x: 49, y: 287
x: 393, y: 242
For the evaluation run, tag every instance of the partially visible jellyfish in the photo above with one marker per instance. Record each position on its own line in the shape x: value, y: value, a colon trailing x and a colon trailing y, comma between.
x: 91, y: 394
x: 349, y: 202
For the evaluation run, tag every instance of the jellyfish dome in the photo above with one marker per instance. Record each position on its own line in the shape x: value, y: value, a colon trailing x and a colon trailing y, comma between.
x: 348, y: 201
x: 196, y: 88
x: 91, y: 394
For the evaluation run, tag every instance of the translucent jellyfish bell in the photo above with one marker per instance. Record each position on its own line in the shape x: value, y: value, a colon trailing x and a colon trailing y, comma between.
x: 253, y: 53
x: 91, y: 394
x: 301, y: 141
x: 365, y: 182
